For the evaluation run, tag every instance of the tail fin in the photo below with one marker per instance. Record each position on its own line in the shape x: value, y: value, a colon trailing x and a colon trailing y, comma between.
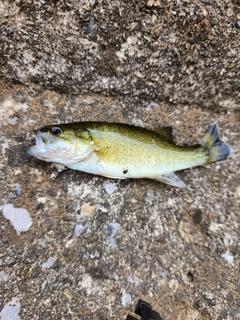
x: 216, y: 149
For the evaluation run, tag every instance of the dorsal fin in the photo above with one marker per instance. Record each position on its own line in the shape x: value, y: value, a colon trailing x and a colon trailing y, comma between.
x: 165, y: 131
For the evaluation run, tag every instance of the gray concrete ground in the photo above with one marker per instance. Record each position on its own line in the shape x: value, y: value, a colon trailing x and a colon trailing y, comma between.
x: 86, y: 253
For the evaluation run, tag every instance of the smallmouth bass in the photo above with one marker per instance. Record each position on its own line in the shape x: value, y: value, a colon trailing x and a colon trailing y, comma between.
x: 121, y: 151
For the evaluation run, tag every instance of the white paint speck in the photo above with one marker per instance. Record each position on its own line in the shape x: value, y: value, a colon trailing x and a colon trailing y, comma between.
x: 228, y: 257
x: 110, y: 186
x: 80, y: 229
x: 49, y: 263
x: 126, y: 299
x: 19, y: 218
x: 111, y: 231
x: 4, y: 276
x: 11, y: 310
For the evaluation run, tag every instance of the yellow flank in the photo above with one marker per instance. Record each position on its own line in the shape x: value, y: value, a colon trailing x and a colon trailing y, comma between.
x: 142, y: 149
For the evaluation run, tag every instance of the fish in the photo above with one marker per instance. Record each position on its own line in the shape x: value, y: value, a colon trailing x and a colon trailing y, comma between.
x: 121, y: 151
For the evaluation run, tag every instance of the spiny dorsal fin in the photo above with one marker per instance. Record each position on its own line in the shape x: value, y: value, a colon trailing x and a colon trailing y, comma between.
x: 165, y: 131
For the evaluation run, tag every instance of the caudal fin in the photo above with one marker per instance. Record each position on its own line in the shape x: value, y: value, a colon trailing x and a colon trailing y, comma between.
x: 216, y: 150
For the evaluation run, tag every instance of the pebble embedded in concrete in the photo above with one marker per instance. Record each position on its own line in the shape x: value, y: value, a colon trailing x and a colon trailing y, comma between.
x: 19, y: 217
x: 11, y: 310
x: 49, y: 263
x: 126, y: 299
x: 111, y: 231
x: 110, y: 186
x: 80, y: 229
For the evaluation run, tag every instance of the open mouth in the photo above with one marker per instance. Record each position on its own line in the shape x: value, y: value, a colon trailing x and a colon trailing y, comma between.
x: 40, y: 141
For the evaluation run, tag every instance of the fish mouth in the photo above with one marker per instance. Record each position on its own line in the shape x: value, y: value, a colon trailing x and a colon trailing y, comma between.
x: 40, y: 143
x: 40, y: 140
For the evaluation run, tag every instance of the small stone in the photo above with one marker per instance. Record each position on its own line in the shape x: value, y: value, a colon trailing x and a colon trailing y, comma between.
x: 110, y: 186
x: 43, y: 285
x: 16, y: 171
x: 17, y: 190
x: 70, y: 243
x: 163, y: 274
x: 111, y: 231
x: 4, y: 32
x: 126, y: 299
x: 11, y: 30
x: 49, y: 263
x: 4, y: 276
x: 214, y: 227
x: 151, y: 105
x: 14, y: 120
x: 68, y: 294
x: 19, y: 217
x: 228, y: 258
x: 87, y: 209
x: 95, y: 255
x: 90, y: 26
x: 227, y: 240
x: 80, y: 229
x: 11, y: 310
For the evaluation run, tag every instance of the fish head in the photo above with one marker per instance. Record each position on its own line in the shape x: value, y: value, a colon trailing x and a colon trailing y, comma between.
x: 60, y: 144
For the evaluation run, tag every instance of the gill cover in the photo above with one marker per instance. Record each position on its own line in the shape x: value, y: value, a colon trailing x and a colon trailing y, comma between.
x: 53, y: 144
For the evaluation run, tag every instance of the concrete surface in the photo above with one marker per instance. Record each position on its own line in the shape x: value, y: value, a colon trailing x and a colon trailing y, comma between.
x: 89, y: 254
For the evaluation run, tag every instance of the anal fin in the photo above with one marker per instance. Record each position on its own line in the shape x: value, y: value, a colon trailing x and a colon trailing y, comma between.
x: 172, y: 179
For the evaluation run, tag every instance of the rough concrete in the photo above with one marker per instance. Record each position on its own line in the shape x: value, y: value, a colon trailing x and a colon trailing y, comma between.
x: 149, y: 63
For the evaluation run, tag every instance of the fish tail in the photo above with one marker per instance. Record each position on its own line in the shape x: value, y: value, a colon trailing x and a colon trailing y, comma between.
x: 216, y: 150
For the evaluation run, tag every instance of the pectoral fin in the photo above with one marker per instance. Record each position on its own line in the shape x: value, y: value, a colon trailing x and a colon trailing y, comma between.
x: 171, y: 179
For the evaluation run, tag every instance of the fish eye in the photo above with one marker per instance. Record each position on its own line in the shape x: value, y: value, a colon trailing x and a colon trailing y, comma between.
x: 56, y: 131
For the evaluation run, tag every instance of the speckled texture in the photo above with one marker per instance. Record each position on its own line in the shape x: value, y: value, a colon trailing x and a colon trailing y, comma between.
x: 178, y: 51
x: 151, y: 63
